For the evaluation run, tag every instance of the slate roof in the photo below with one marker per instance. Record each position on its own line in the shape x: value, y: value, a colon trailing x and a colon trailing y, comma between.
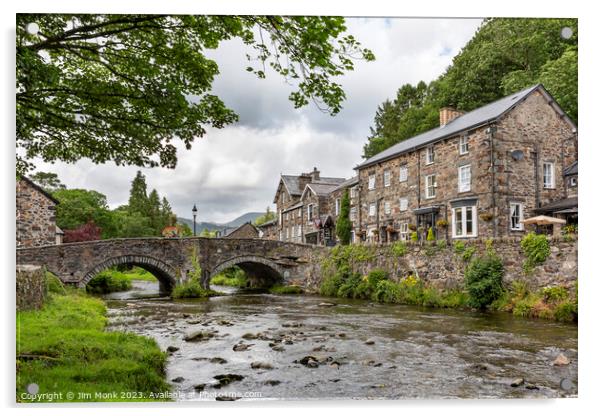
x: 267, y: 223
x: 559, y: 205
x: 571, y: 169
x: 349, y: 182
x: 40, y: 189
x: 322, y: 189
x: 292, y: 184
x: 475, y: 118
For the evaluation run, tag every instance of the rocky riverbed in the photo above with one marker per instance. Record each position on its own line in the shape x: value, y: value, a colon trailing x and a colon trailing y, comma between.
x: 259, y: 346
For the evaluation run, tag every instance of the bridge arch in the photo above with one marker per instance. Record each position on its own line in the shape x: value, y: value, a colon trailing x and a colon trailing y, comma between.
x: 258, y: 269
x: 164, y: 273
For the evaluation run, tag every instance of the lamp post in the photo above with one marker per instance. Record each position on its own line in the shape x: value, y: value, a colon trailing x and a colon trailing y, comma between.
x: 194, y: 211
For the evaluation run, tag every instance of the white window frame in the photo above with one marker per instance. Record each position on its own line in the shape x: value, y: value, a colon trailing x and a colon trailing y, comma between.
x: 372, y: 182
x: 337, y: 206
x: 404, y: 231
x: 573, y: 181
x: 387, y: 208
x: 310, y: 212
x: 430, y: 155
x: 403, y: 204
x: 552, y: 180
x: 521, y: 214
x: 353, y: 191
x: 403, y: 173
x: 464, y: 186
x: 372, y: 209
x: 387, y: 177
x: 463, y: 145
x: 432, y: 187
x: 280, y: 235
x: 300, y: 213
x: 299, y: 230
x: 475, y: 222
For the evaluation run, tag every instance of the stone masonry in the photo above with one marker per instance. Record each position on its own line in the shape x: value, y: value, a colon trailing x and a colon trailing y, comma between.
x: 36, y: 224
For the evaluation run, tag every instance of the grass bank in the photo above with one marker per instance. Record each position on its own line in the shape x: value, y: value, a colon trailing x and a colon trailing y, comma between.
x: 233, y: 277
x: 64, y: 348
x: 192, y: 289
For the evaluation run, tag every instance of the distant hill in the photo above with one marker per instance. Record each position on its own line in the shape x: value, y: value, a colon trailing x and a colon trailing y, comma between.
x: 212, y: 226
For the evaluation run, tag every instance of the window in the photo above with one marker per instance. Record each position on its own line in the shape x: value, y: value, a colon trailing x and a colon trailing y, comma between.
x: 352, y: 213
x: 573, y: 181
x: 280, y: 235
x: 353, y: 192
x: 387, y: 208
x: 403, y: 204
x: 430, y: 155
x: 464, y: 178
x: 431, y: 184
x: 403, y: 173
x: 548, y: 175
x: 372, y: 181
x: 464, y: 222
x: 387, y: 177
x: 280, y: 218
x: 299, y: 212
x: 310, y: 212
x: 403, y: 231
x: 337, y: 206
x: 516, y: 216
x: 298, y: 231
x: 286, y: 217
x: 372, y: 211
x: 463, y: 147
x: 286, y: 233
x: 282, y: 197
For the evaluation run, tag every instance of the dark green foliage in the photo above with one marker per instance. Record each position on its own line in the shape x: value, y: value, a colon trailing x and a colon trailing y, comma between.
x: 54, y: 284
x: 566, y: 311
x: 285, y: 290
x: 347, y: 288
x: 344, y: 225
x: 483, y: 280
x: 386, y: 291
x: 536, y: 248
x: 47, y: 180
x: 192, y: 289
x: 504, y: 56
x: 149, y: 84
x: 268, y: 216
x: 399, y: 248
x: 78, y: 206
x: 233, y: 277
x: 108, y: 281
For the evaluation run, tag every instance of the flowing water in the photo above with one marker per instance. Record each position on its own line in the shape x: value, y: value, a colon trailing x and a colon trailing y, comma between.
x: 359, y: 349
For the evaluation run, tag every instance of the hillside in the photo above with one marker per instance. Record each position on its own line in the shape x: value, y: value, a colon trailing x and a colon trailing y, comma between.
x: 212, y: 226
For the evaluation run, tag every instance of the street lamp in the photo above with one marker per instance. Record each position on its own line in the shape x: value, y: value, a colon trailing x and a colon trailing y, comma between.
x: 194, y: 211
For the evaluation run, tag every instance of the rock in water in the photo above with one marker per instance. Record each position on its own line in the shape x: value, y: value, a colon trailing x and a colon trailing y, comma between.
x: 517, y: 382
x: 218, y: 360
x: 260, y: 365
x: 369, y: 342
x: 241, y: 347
x: 225, y: 379
x: 198, y: 336
x: 172, y: 349
x: 327, y: 304
x: 271, y: 382
x: 178, y: 379
x: 561, y: 360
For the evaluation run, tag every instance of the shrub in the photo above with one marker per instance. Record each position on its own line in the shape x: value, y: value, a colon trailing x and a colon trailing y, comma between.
x: 431, y: 297
x: 468, y: 253
x: 430, y: 236
x: 554, y: 294
x: 414, y: 236
x: 566, y: 311
x: 191, y: 289
x: 454, y: 299
x: 108, y: 281
x: 330, y: 285
x: 459, y: 247
x: 536, y: 248
x: 285, y: 290
x: 233, y: 277
x: 375, y: 276
x: 348, y: 286
x: 362, y: 290
x: 387, y: 291
x: 54, y: 284
x: 399, y: 248
x: 483, y: 280
x: 441, y: 244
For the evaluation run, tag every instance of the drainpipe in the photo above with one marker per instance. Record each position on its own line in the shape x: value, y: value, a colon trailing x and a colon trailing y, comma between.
x: 536, y: 167
x: 359, y: 205
x: 491, y: 130
x: 419, y: 181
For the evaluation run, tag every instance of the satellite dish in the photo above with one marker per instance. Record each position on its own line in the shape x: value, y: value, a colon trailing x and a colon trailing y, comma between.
x: 517, y: 155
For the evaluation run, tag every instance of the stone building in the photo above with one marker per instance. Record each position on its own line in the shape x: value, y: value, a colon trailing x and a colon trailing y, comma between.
x: 301, y: 223
x: 246, y: 230
x: 477, y: 175
x: 567, y: 207
x: 269, y: 230
x: 36, y: 212
x: 335, y: 198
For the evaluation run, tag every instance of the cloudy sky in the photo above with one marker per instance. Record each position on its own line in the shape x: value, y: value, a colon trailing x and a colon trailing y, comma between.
x: 235, y: 170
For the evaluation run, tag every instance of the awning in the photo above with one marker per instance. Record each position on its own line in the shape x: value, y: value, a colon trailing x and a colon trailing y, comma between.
x: 559, y: 205
x: 543, y: 220
x: 427, y: 210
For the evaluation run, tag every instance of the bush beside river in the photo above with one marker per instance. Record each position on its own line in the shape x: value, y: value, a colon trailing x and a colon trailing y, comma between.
x: 64, y: 348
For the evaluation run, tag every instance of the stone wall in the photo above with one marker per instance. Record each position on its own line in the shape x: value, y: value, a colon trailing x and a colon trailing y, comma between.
x: 31, y: 287
x: 443, y: 268
x: 36, y: 224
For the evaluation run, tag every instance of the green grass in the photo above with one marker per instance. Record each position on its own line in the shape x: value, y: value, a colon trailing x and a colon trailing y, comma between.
x: 138, y: 273
x: 64, y: 347
x: 285, y: 290
x: 109, y: 281
x: 233, y: 277
x: 192, y: 289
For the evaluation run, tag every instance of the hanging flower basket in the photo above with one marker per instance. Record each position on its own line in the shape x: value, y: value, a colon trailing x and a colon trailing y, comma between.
x: 442, y: 223
x: 412, y: 227
x: 486, y: 216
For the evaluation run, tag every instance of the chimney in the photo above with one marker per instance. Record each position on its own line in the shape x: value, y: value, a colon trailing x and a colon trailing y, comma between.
x: 447, y: 114
x: 315, y: 175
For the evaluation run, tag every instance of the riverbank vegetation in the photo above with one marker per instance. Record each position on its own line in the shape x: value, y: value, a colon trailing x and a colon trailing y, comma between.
x: 233, y: 277
x: 482, y: 288
x: 285, y: 290
x: 192, y: 289
x: 64, y: 347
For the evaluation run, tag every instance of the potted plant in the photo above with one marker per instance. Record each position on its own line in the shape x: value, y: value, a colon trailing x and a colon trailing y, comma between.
x: 442, y: 223
x: 486, y: 216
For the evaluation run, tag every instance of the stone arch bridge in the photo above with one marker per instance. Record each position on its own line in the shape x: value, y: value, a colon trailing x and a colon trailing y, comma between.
x: 172, y: 260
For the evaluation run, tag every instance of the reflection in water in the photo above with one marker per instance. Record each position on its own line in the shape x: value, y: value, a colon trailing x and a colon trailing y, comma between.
x: 359, y: 349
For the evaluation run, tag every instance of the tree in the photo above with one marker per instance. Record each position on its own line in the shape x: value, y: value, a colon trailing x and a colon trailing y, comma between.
x: 80, y: 206
x: 133, y: 224
x: 47, y: 180
x: 138, y: 201
x: 122, y: 88
x: 167, y: 216
x: 154, y: 211
x: 504, y: 56
x: 344, y: 225
x: 268, y: 216
x: 87, y: 232
x: 208, y: 234
x: 184, y: 230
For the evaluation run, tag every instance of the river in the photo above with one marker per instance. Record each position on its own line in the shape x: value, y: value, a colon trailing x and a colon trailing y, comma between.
x: 359, y: 349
